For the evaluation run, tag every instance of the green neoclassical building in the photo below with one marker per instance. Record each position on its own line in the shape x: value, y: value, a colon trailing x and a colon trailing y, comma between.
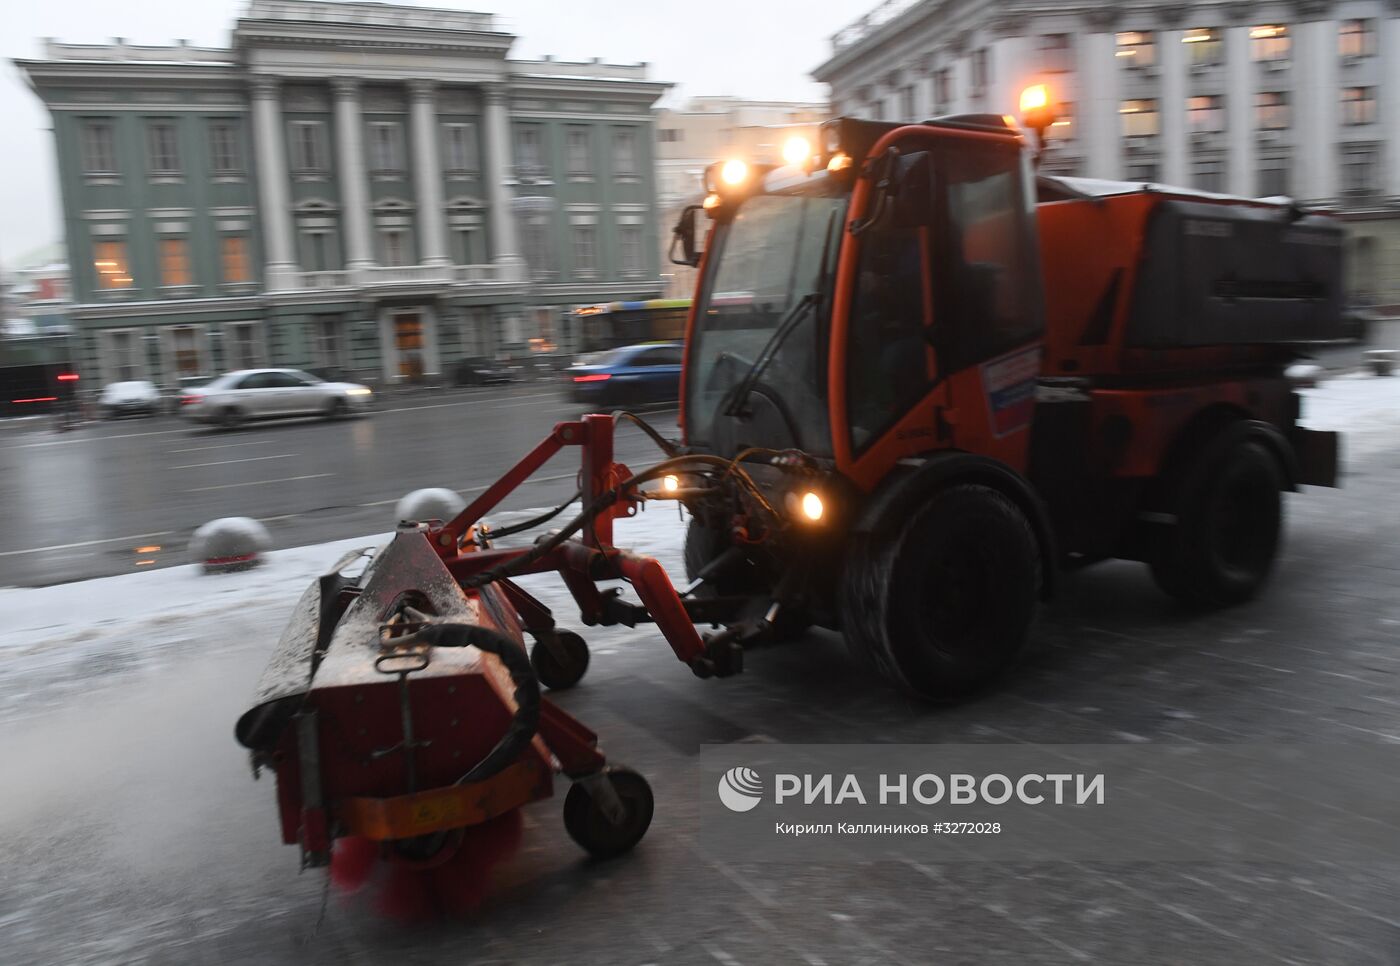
x: 360, y: 189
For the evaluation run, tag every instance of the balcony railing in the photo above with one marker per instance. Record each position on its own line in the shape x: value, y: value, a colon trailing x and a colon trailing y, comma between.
x: 325, y: 280
x: 390, y: 274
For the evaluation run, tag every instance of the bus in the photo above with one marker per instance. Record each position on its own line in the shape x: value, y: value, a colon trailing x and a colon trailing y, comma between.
x: 611, y: 324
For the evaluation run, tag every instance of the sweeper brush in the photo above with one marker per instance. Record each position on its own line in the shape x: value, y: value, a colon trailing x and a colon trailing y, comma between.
x: 401, y: 711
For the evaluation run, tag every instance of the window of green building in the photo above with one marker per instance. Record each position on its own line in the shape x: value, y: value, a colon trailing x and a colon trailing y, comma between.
x: 99, y: 147
x: 225, y: 151
x: 109, y: 260
x: 163, y: 147
x: 174, y: 262
x: 233, y: 252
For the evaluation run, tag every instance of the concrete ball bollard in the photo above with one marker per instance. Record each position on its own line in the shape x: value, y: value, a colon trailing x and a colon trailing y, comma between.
x: 1381, y: 362
x: 230, y: 543
x: 432, y: 503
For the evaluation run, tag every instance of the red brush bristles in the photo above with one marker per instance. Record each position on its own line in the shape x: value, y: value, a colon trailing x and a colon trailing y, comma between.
x: 414, y: 894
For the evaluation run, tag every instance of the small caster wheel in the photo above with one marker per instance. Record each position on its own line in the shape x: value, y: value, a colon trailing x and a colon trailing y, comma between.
x: 590, y: 827
x: 557, y: 674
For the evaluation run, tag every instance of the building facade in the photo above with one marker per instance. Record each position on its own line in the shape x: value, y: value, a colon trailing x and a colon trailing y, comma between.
x: 1300, y: 99
x: 359, y: 189
x: 709, y: 129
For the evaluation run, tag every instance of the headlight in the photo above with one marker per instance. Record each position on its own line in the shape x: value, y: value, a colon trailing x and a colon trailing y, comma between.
x: 812, y: 507
x: 359, y: 391
x: 734, y: 172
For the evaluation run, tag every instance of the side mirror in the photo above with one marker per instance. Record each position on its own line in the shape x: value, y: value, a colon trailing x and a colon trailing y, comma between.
x: 684, y: 236
x: 911, y: 190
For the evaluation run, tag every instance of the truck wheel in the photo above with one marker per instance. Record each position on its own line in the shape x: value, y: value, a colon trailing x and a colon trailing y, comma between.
x: 744, y: 579
x: 589, y: 826
x: 941, y: 601
x: 1229, y: 514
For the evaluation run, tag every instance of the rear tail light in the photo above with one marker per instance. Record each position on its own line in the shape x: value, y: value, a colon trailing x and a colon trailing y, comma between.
x: 186, y: 400
x: 594, y: 377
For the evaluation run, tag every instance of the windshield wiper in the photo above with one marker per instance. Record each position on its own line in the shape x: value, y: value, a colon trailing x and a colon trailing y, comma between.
x: 740, y: 393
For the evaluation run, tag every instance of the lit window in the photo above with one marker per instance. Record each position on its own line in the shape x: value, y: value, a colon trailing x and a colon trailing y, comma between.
x: 1270, y: 42
x: 1137, y: 48
x: 163, y: 146
x: 1358, y: 105
x: 174, y: 262
x: 99, y: 151
x: 1139, y: 117
x: 233, y: 253
x: 1205, y: 112
x: 1271, y: 111
x: 1356, y: 38
x: 1203, y: 45
x: 109, y: 260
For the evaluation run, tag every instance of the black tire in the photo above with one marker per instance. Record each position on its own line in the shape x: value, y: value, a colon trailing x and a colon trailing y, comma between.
x: 336, y: 409
x: 1228, y: 506
x: 745, y: 578
x: 557, y: 674
x: 941, y: 600
x: 231, y: 417
x: 591, y: 829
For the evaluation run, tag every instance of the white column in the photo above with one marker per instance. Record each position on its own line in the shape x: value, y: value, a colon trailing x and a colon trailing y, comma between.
x: 960, y: 74
x: 274, y: 191
x: 505, y: 244
x: 427, y: 174
x: 1316, y: 90
x: 1389, y: 106
x: 354, y: 183
x: 1098, y: 105
x: 1171, y: 62
x: 1239, y: 113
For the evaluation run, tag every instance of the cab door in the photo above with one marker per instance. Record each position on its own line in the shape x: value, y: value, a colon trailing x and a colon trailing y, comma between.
x: 943, y: 316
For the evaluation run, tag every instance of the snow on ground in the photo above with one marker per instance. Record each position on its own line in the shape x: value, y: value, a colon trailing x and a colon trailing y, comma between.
x: 58, y: 640
x: 1365, y: 408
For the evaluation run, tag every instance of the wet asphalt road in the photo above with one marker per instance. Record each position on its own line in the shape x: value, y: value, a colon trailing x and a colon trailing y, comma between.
x: 79, y: 504
x: 131, y: 833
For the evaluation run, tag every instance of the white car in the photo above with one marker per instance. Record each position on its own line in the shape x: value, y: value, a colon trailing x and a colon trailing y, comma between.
x: 236, y: 397
x: 128, y: 398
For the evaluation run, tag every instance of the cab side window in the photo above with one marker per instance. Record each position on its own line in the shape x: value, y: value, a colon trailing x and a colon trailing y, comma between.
x: 887, y: 357
x: 983, y: 261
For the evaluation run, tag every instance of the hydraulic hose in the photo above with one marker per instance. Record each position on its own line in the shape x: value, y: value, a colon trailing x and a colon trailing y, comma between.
x: 526, y: 720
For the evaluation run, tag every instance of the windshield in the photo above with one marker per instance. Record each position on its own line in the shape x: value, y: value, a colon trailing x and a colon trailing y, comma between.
x: 764, y: 262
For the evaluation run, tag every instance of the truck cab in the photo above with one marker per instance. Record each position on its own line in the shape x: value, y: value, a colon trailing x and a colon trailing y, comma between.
x: 953, y: 378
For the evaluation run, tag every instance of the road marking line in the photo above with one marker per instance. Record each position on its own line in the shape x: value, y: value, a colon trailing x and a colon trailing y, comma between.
x: 248, y: 459
x: 98, y: 439
x: 87, y: 543
x: 196, y: 449
x: 229, y: 486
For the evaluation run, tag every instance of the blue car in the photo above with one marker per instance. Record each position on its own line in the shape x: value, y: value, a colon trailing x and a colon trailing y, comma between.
x: 629, y: 374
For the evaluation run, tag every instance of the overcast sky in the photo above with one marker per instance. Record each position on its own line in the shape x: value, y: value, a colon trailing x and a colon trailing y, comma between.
x: 747, y: 48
